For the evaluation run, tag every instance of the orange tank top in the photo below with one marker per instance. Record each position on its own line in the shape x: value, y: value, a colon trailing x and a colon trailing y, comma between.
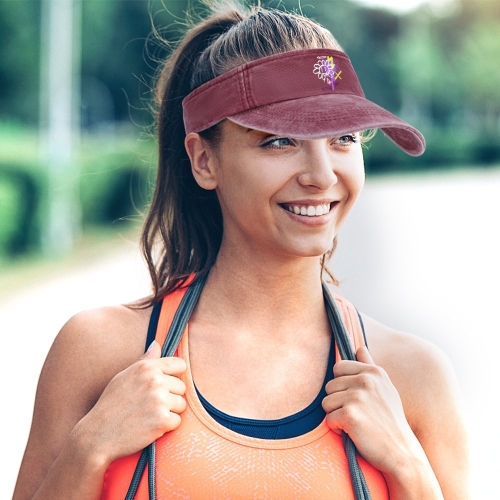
x: 202, y: 459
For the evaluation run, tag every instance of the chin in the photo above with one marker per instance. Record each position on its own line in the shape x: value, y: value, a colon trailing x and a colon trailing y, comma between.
x: 312, y: 250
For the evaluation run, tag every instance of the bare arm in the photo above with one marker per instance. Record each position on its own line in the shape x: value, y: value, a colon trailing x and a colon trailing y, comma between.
x: 97, y: 401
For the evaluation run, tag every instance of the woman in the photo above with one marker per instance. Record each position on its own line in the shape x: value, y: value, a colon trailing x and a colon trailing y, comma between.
x: 260, y: 162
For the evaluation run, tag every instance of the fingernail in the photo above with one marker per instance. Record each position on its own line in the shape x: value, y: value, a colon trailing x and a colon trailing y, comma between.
x: 151, y: 345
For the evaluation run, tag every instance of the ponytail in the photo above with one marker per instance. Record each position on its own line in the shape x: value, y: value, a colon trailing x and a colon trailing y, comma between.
x: 182, y: 215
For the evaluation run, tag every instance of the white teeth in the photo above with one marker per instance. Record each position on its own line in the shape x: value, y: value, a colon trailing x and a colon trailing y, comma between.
x: 310, y: 211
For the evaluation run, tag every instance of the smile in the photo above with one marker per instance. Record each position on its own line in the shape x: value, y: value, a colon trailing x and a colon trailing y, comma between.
x: 310, y: 210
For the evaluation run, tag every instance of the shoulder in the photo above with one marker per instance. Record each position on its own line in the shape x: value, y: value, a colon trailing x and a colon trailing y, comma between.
x: 403, y: 351
x: 432, y: 401
x: 108, y: 337
x: 420, y: 370
x: 114, y: 326
x: 431, y: 397
x: 92, y: 347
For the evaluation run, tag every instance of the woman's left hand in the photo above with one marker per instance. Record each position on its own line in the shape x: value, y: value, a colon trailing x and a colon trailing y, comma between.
x: 362, y: 401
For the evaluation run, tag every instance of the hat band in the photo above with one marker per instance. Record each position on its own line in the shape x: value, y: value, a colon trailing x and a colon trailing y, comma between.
x: 269, y: 80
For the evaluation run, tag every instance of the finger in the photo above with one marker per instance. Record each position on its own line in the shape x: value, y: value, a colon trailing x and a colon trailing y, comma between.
x: 333, y: 402
x: 172, y: 365
x: 344, y: 368
x: 363, y: 355
x: 339, y: 384
x: 175, y: 385
x: 177, y: 403
x: 173, y: 421
x: 334, y: 421
x: 153, y: 351
x: 333, y: 409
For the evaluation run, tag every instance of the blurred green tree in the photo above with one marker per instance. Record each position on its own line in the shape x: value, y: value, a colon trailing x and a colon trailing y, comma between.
x: 480, y: 73
x: 19, y: 61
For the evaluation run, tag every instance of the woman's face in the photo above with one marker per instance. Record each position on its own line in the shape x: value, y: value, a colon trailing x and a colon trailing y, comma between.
x: 283, y: 195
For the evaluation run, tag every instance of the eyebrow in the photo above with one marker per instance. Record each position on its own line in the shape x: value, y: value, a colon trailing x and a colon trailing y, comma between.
x: 259, y: 133
x: 247, y: 130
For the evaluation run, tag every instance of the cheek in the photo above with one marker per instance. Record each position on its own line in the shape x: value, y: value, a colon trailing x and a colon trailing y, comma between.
x: 245, y: 180
x: 359, y: 181
x: 239, y: 190
x: 354, y: 176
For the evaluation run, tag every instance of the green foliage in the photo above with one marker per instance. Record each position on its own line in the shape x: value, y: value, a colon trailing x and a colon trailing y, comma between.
x: 478, y: 63
x: 115, y: 182
x: 10, y: 207
x: 121, y: 44
x: 116, y: 179
x: 19, y: 60
x: 21, y: 189
x: 445, y: 149
x: 113, y: 41
x: 21, y: 192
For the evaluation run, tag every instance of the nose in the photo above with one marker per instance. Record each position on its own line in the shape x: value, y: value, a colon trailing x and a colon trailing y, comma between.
x: 318, y: 166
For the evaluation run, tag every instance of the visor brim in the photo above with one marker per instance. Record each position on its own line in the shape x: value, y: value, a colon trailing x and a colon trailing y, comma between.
x: 331, y: 115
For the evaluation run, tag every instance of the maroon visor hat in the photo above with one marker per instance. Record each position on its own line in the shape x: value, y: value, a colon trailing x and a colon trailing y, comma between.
x: 304, y: 94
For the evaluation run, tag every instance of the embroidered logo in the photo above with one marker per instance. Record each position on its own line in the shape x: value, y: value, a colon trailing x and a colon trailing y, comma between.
x: 328, y: 71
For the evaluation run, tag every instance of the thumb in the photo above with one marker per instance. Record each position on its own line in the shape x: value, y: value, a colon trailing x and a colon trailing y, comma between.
x: 154, y: 351
x: 363, y: 355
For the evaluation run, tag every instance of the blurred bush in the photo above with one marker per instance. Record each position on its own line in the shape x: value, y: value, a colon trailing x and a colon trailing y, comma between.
x: 21, y: 189
x: 115, y: 185
x: 116, y: 179
x: 446, y: 149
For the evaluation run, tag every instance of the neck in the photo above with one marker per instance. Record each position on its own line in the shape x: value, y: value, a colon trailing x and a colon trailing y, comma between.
x: 265, y: 293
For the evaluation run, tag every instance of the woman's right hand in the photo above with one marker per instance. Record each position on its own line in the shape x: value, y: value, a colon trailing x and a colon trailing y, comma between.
x: 139, y: 405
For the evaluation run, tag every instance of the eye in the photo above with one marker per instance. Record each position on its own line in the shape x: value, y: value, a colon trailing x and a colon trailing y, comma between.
x: 347, y: 140
x: 278, y: 143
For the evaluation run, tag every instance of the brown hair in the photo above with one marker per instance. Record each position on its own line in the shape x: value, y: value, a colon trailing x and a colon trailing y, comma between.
x: 183, y: 229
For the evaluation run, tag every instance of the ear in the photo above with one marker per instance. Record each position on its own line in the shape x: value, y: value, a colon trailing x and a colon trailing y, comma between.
x: 203, y: 161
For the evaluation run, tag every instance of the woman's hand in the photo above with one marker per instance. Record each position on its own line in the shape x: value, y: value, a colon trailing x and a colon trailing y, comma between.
x: 139, y: 405
x: 362, y: 401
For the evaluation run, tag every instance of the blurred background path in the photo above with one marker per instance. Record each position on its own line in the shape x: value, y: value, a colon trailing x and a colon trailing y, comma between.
x: 418, y: 253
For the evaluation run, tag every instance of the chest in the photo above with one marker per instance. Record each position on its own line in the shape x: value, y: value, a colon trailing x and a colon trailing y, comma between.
x: 254, y: 378
x: 203, y: 460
